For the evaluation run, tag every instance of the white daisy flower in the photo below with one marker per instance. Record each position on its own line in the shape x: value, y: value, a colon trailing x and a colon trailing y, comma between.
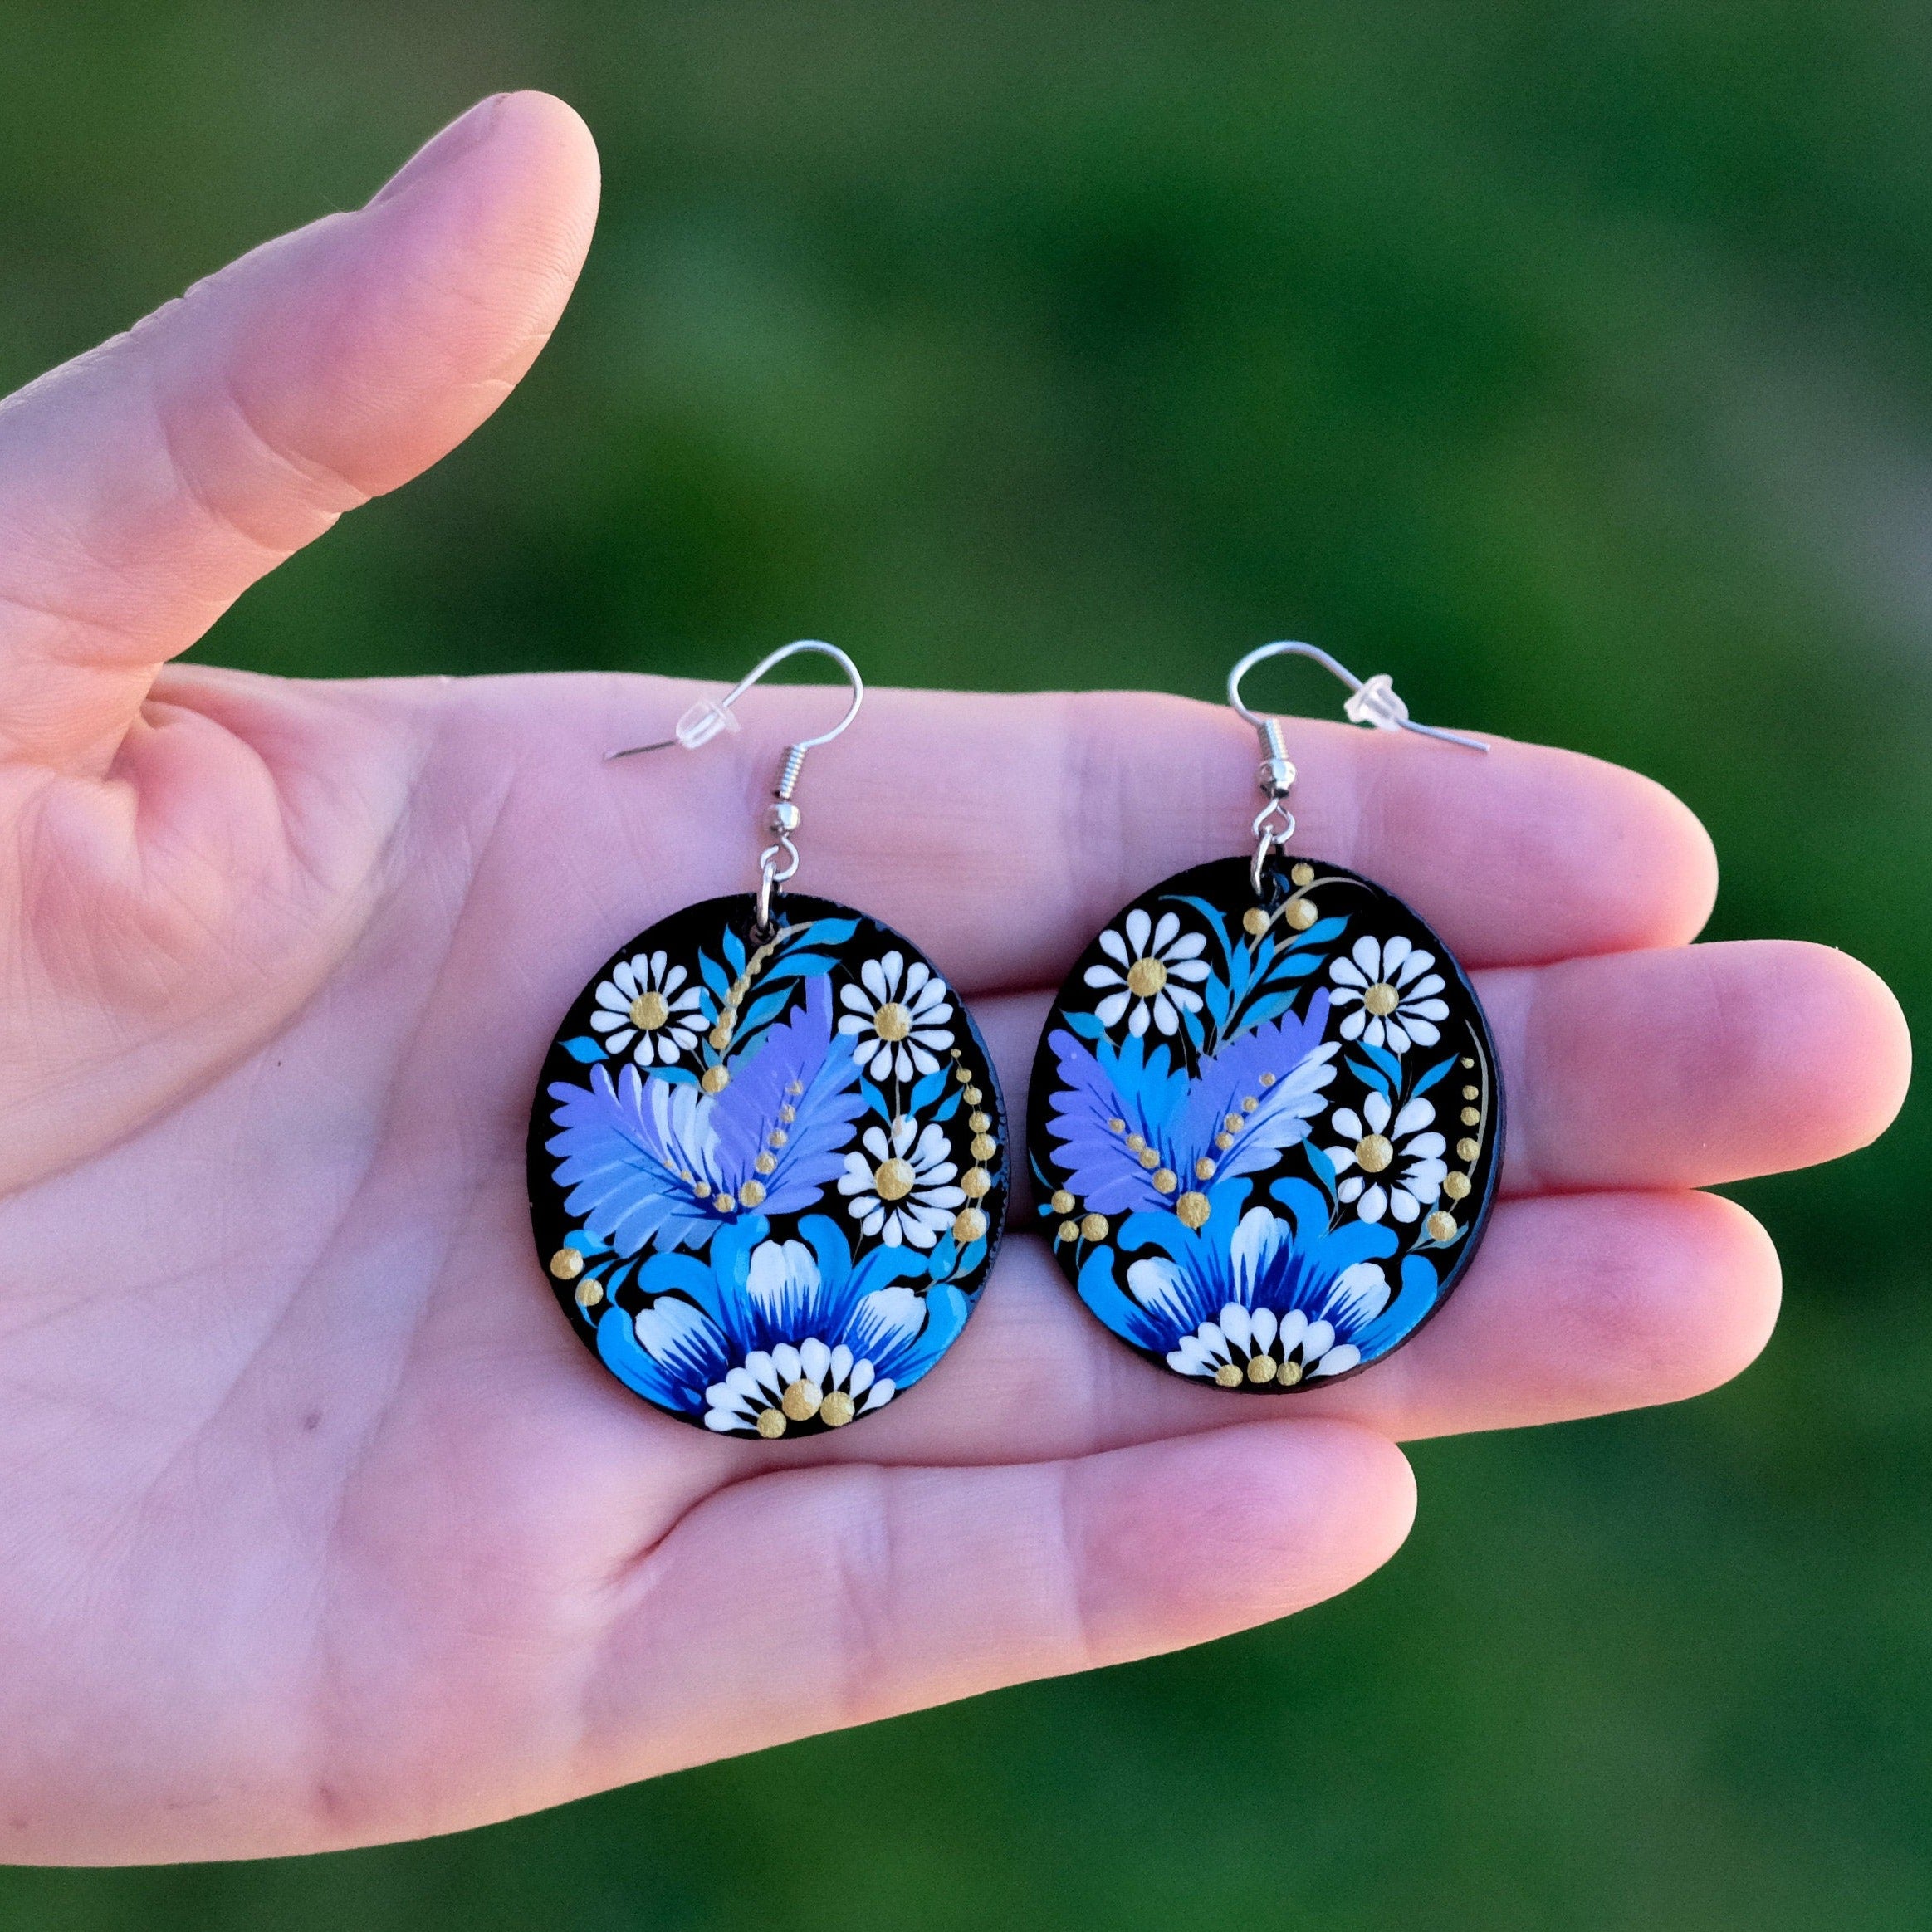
x: 896, y: 1018
x: 646, y: 1009
x: 1374, y: 1147
x: 1257, y: 1345
x: 796, y: 1382
x: 1393, y: 993
x: 1149, y: 978
x: 901, y: 1188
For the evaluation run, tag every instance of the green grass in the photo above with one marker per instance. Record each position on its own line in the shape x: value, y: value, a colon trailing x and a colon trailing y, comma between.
x: 1570, y: 362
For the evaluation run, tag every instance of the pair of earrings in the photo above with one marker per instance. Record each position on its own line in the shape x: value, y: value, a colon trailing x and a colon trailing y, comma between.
x: 769, y: 1161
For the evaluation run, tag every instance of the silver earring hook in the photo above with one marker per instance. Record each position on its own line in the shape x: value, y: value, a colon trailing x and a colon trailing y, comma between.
x: 1373, y: 702
x: 709, y: 716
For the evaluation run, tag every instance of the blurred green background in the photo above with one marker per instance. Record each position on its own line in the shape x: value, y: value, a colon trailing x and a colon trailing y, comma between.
x: 1570, y: 361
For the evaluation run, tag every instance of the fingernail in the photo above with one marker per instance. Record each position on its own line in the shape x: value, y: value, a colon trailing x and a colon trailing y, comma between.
x: 466, y: 131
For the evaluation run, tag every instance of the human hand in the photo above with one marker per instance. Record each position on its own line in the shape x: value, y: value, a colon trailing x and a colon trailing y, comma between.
x: 319, y: 1526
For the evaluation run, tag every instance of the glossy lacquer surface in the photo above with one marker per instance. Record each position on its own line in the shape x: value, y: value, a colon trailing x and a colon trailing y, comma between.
x: 1265, y: 1130
x: 768, y: 1171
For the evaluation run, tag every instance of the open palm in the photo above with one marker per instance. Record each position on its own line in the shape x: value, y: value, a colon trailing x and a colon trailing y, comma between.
x: 316, y: 1524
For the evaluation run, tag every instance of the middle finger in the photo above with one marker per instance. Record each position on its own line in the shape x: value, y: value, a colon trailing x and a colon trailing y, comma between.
x: 1686, y: 1066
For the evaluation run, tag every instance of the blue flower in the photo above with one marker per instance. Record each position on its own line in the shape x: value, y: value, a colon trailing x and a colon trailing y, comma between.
x: 1134, y: 1131
x: 1267, y: 1298
x: 766, y: 1334
x: 662, y: 1161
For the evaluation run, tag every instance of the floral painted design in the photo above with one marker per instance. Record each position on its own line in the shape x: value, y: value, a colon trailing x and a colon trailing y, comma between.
x: 779, y: 1225
x: 645, y: 1009
x: 1283, y: 1299
x: 1146, y: 975
x: 901, y: 1186
x: 764, y: 1337
x: 896, y: 1018
x: 1281, y: 1186
x: 1392, y: 997
x: 1397, y: 1159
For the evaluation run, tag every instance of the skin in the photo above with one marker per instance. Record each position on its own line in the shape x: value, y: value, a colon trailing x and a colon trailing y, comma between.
x: 320, y: 1527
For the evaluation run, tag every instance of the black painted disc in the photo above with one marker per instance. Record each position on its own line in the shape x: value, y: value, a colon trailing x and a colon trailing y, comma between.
x: 1265, y: 1135
x: 768, y: 1173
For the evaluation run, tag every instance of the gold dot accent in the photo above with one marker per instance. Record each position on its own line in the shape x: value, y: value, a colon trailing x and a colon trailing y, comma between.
x: 1145, y: 977
x: 1135, y: 1143
x: 1069, y: 1230
x: 983, y: 1147
x: 979, y: 1122
x: 1117, y: 1125
x: 1165, y: 1180
x: 893, y: 1180
x: 1227, y: 1377
x: 1204, y: 1169
x: 968, y: 1225
x: 1472, y: 1092
x: 1472, y: 1116
x: 723, y: 1202
x: 974, y: 1097
x: 1381, y: 999
x: 1268, y: 1079
x: 1224, y: 1141
x: 1303, y: 875
x: 765, y: 1164
x: 1467, y: 1061
x: 770, y: 1424
x: 794, y: 1088
x: 1373, y: 1153
x: 1253, y: 922
x: 778, y: 1137
x: 1064, y: 1202
x: 1249, y: 1104
x: 650, y: 1010
x: 702, y: 1188
x: 1231, y: 1123
x: 960, y: 1074
x: 1290, y: 1373
x: 975, y: 1183
x: 1262, y: 1368
x: 1193, y: 1209
x: 715, y: 1079
x: 802, y: 1401
x: 1468, y: 1150
x: 788, y: 1113
x: 837, y: 1410
x: 720, y: 1035
x: 1149, y: 1159
x: 892, y: 1022
x: 1093, y: 1227
x: 1457, y: 1186
x: 752, y: 1194
x: 590, y: 1292
x: 567, y: 1265
x: 1439, y: 1226
x: 1301, y: 914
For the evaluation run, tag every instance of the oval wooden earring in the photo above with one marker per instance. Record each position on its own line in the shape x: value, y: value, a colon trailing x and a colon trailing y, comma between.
x: 767, y: 1154
x: 1266, y: 1123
